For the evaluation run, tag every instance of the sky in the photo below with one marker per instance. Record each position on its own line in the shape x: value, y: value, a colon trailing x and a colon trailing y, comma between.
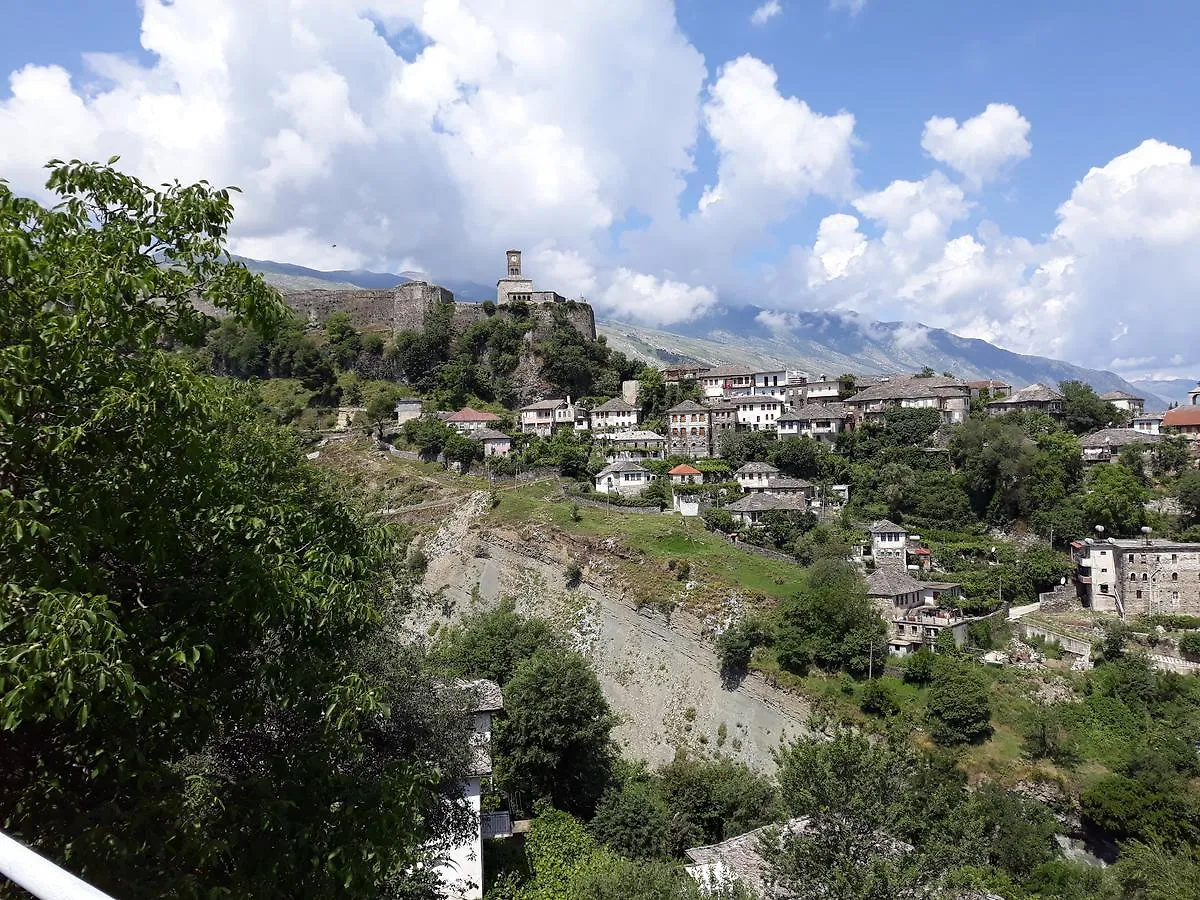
x: 1016, y: 172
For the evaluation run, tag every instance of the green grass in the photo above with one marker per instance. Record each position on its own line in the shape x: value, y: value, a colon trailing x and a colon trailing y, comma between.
x: 660, y: 537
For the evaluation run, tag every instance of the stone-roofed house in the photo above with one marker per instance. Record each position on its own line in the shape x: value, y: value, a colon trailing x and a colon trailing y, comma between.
x: 949, y: 396
x: 914, y: 610
x: 1131, y: 403
x: 632, y: 444
x: 889, y: 544
x: 783, y: 486
x: 1035, y: 396
x: 751, y: 508
x: 689, y: 429
x: 739, y: 860
x: 994, y: 387
x: 822, y: 421
x: 624, y: 477
x: 727, y: 380
x: 408, y: 409
x: 467, y: 420
x: 615, y: 414
x: 754, y: 476
x: 758, y: 412
x: 542, y: 416
x: 681, y: 372
x: 1147, y: 422
x: 495, y: 443
x: 1107, y: 443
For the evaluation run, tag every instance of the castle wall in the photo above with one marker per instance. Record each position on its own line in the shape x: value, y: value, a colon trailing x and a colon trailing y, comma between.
x: 404, y: 307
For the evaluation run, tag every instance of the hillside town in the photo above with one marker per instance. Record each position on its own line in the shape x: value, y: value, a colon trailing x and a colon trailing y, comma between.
x: 809, y: 511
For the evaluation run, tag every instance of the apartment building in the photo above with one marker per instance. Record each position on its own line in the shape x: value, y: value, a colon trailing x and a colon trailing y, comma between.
x: 727, y: 381
x: 688, y: 429
x: 757, y: 412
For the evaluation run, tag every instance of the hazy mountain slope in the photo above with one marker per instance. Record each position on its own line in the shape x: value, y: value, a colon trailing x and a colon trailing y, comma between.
x: 1172, y: 389
x: 832, y: 344
x: 815, y: 342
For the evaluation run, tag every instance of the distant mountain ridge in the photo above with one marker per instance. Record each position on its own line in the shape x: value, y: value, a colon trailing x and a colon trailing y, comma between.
x: 815, y: 342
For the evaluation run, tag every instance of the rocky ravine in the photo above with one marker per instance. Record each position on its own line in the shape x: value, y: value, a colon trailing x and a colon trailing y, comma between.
x: 661, y: 676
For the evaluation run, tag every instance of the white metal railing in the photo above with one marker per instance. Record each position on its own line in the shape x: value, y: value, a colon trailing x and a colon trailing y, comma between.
x: 41, y: 877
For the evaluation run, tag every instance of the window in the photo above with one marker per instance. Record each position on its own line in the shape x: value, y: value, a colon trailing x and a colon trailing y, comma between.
x: 1131, y: 557
x: 1174, y: 576
x: 1104, y: 588
x: 1133, y: 576
x: 1145, y: 576
x: 1139, y: 595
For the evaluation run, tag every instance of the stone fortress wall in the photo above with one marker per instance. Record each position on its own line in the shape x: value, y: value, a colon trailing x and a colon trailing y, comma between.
x: 403, y: 308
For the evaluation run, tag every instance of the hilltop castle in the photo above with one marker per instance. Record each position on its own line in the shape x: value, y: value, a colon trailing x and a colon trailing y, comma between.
x: 405, y: 307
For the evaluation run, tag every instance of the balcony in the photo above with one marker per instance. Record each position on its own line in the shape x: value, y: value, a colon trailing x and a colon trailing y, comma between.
x: 495, y: 824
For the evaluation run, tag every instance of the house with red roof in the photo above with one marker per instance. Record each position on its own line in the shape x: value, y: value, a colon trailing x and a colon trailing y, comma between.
x: 1184, y: 420
x: 685, y: 474
x: 467, y: 420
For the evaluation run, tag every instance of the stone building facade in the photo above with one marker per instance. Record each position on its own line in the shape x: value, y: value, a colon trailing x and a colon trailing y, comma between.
x: 1133, y: 577
x: 689, y: 428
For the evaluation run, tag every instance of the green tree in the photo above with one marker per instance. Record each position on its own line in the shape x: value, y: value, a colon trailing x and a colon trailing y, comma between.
x: 959, y: 708
x: 492, y: 643
x: 382, y: 409
x: 1084, y: 411
x: 634, y: 820
x: 798, y: 457
x: 850, y: 790
x: 1170, y: 455
x: 714, y: 799
x: 189, y: 610
x: 1188, y: 492
x: 428, y: 434
x: 1114, y: 498
x: 830, y: 622
x: 908, y: 427
x: 554, y: 740
x: 462, y: 450
x: 345, y: 343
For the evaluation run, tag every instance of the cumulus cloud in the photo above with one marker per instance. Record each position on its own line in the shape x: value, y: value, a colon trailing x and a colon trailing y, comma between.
x: 656, y: 301
x: 981, y: 146
x: 515, y: 123
x: 766, y: 12
x: 1119, y: 264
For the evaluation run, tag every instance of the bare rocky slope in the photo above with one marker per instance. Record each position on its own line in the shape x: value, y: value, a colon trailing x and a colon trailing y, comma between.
x: 660, y: 675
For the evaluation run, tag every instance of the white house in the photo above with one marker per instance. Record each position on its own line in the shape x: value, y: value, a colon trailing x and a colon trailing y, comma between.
x: 615, y: 414
x: 821, y: 421
x: 1147, y: 422
x: 1131, y: 403
x: 461, y: 868
x: 495, y: 443
x: 624, y: 477
x: 542, y: 416
x: 467, y: 420
x: 770, y: 383
x: 727, y: 381
x: 408, y: 409
x: 758, y: 412
x: 889, y: 544
x: 754, y: 476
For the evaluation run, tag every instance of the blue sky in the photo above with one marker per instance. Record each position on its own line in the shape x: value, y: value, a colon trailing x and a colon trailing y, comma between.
x: 918, y: 161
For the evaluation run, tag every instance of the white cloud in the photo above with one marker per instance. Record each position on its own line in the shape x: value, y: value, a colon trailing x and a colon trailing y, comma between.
x: 854, y: 7
x: 645, y: 298
x: 772, y: 144
x: 981, y: 146
x: 778, y: 322
x: 764, y: 13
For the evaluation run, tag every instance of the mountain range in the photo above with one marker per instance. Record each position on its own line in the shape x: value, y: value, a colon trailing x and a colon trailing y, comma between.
x: 818, y: 342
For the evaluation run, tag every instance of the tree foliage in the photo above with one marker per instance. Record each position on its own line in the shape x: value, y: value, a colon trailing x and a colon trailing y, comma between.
x: 959, y: 708
x: 830, y: 622
x: 553, y: 742
x: 189, y: 611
